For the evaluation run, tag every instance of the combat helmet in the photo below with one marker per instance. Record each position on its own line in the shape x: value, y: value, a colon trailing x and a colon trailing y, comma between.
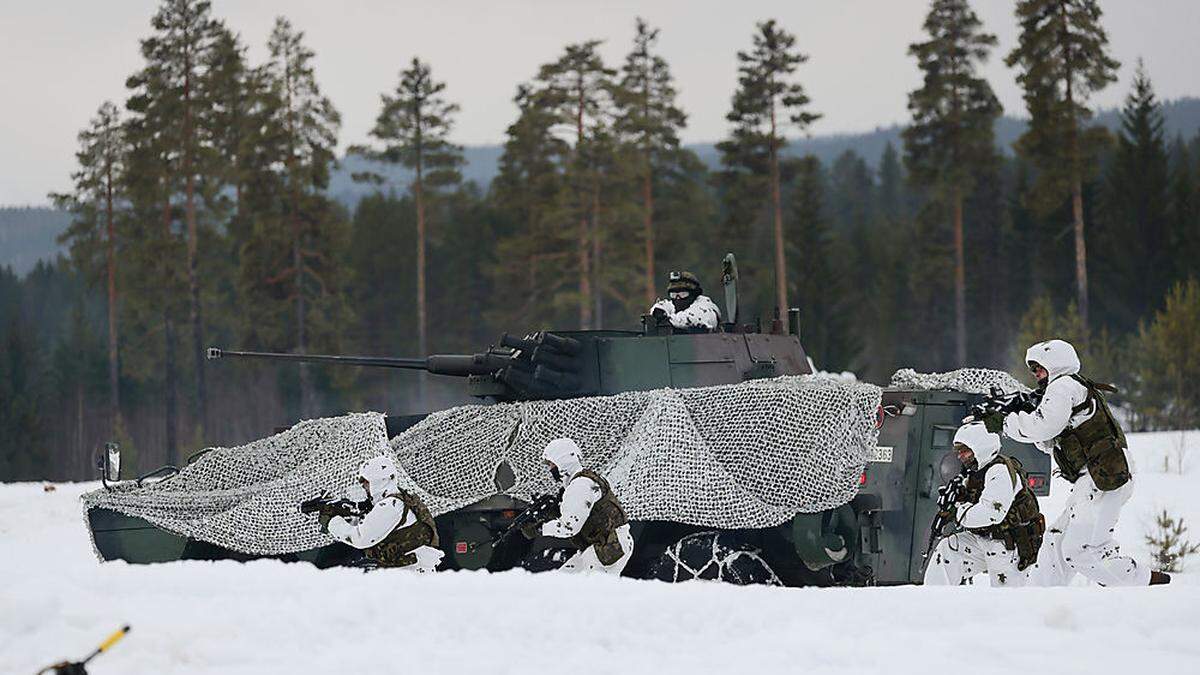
x: 683, y: 281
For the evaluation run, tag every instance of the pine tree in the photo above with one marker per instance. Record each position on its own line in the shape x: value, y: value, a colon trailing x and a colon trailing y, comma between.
x: 764, y: 105
x: 893, y: 244
x: 649, y: 117
x: 307, y: 124
x: 154, y: 254
x: 413, y: 128
x: 1184, y: 213
x: 230, y: 87
x: 951, y: 133
x: 92, y: 235
x: 816, y: 289
x: 578, y: 88
x: 1063, y: 59
x: 177, y: 53
x: 529, y: 192
x: 1133, y: 238
x: 1169, y: 376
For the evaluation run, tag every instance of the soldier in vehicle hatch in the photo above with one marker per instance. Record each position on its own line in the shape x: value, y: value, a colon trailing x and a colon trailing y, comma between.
x: 686, y: 307
x: 398, y: 530
x: 1074, y: 424
x: 590, y: 515
x: 1002, y: 526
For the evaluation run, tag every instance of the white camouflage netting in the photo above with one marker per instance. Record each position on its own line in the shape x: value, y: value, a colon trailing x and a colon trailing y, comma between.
x: 966, y: 380
x: 744, y: 455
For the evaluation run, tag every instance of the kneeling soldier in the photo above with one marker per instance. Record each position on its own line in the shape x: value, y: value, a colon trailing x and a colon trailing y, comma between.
x: 1002, y: 525
x: 591, y: 517
x: 398, y: 531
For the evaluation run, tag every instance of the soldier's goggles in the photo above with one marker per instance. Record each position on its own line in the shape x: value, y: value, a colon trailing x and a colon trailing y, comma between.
x: 678, y: 295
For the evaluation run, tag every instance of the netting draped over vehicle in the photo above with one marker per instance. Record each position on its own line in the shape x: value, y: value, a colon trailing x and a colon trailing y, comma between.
x: 744, y: 455
x: 966, y: 380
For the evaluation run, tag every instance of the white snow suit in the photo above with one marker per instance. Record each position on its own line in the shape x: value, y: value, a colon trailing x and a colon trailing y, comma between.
x: 702, y: 313
x: 386, y: 515
x: 580, y: 494
x: 964, y: 554
x: 1081, y: 539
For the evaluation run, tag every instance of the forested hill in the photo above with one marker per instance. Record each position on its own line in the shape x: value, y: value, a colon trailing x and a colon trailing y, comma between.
x: 28, y: 234
x: 1181, y: 117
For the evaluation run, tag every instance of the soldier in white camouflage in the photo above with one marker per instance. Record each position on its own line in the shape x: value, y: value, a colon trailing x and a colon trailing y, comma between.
x: 591, y: 517
x: 398, y: 531
x: 1001, y: 526
x: 686, y: 308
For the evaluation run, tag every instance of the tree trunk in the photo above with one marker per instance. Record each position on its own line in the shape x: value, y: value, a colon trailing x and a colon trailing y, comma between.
x: 585, y: 268
x: 301, y: 347
x: 114, y: 383
x: 1081, y: 280
x: 194, y: 312
x: 648, y: 208
x: 960, y: 284
x: 777, y: 209
x: 169, y: 396
x: 1075, y: 160
x: 597, y: 260
x: 422, y: 325
x: 172, y: 446
x: 297, y: 260
x: 81, y: 447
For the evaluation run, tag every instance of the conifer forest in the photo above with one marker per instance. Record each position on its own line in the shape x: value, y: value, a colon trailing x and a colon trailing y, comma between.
x: 201, y: 214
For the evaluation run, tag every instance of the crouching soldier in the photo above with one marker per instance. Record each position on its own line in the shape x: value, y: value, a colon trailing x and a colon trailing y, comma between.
x: 1073, y: 423
x: 398, y: 530
x: 590, y: 515
x: 1002, y: 526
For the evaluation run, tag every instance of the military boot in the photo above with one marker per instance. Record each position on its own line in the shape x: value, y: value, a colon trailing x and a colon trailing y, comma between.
x: 1158, y: 578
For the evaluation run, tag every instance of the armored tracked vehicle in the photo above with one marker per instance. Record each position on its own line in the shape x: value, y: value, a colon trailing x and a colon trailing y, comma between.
x: 878, y: 537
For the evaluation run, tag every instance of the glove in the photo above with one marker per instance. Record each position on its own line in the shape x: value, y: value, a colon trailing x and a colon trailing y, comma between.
x: 994, y: 422
x: 323, y: 520
x: 662, y: 309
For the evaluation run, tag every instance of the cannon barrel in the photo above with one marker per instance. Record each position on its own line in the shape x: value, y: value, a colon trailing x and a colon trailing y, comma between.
x: 458, y: 365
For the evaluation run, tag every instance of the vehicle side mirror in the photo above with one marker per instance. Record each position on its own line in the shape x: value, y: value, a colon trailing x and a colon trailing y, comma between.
x: 111, y: 463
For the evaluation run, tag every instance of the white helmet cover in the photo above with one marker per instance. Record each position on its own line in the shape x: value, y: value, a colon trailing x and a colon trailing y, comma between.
x: 565, y: 454
x: 982, y: 442
x: 1058, y: 357
x: 381, y: 475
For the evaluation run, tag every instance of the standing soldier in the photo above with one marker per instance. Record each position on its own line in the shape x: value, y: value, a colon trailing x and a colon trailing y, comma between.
x: 398, y: 531
x: 686, y: 307
x: 591, y: 517
x: 1002, y: 526
x: 1072, y: 421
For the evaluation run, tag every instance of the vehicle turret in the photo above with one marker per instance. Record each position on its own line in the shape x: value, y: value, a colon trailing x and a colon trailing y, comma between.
x: 568, y: 364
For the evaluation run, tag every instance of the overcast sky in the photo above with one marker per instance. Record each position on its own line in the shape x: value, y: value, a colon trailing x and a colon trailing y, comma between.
x: 61, y: 59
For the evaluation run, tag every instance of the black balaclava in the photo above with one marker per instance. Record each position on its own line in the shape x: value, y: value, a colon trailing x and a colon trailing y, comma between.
x: 686, y: 283
x: 1042, y: 382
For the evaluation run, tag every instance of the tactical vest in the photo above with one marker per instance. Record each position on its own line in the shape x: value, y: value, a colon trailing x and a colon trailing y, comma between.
x: 1097, y: 444
x: 1024, y: 525
x: 396, y: 549
x: 600, y: 529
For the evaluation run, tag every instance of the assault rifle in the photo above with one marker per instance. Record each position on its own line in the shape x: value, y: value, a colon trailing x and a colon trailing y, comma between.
x: 326, y: 505
x: 998, y: 401
x: 541, y: 510
x: 947, y: 497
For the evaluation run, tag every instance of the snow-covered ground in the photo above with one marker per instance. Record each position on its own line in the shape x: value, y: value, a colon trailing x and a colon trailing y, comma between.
x: 57, y: 601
